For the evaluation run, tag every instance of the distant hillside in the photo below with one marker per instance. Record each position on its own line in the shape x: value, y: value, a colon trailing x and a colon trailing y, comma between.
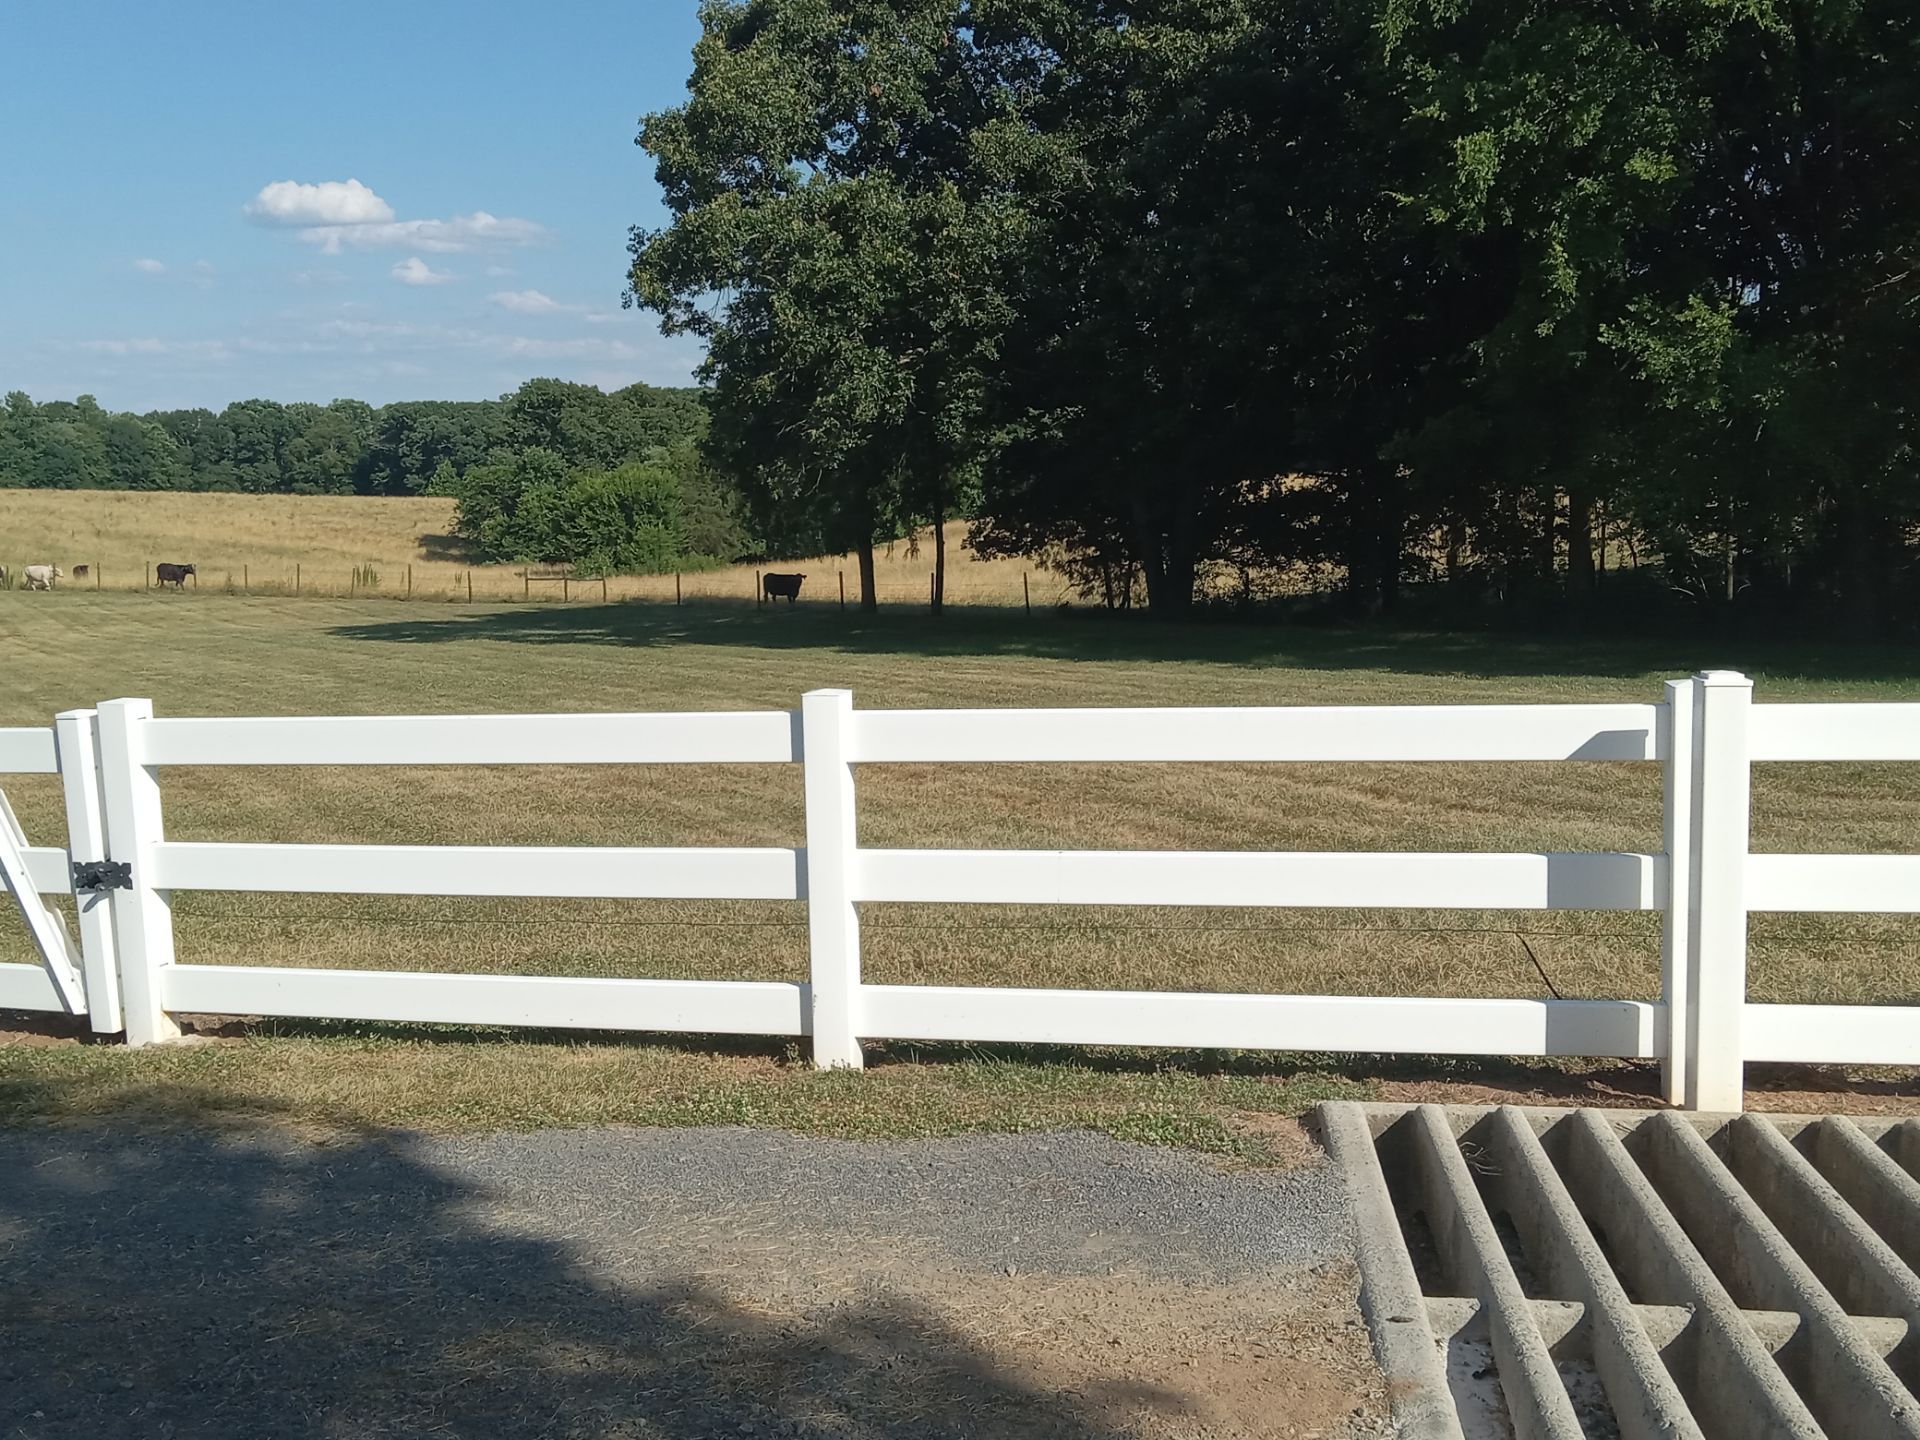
x: 262, y: 447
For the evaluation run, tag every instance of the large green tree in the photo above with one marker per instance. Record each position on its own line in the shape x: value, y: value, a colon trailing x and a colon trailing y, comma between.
x: 839, y: 241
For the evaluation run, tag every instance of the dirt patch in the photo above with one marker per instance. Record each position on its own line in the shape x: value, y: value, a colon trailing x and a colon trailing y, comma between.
x: 1283, y: 1359
x: 673, y: 1286
x: 29, y: 1031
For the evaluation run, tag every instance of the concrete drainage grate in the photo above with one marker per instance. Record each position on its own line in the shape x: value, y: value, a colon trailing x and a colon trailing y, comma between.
x: 1575, y: 1274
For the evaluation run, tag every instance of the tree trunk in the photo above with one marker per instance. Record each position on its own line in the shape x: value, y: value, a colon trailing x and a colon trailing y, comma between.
x: 939, y: 562
x: 1858, y: 587
x: 1546, y: 540
x: 1167, y: 560
x: 1579, y: 544
x: 1387, y: 538
x: 869, y: 601
x: 1373, y: 547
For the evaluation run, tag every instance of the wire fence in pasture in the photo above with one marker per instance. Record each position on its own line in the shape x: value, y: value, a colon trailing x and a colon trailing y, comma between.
x: 1001, y: 585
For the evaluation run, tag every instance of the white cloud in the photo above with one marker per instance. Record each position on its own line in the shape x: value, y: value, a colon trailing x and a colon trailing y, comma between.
x: 148, y: 266
x: 494, y: 272
x: 152, y: 345
x: 538, y: 302
x: 461, y: 233
x: 415, y: 271
x: 526, y: 302
x: 330, y: 203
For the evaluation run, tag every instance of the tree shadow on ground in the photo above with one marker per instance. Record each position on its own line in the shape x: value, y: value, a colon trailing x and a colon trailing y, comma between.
x: 236, y: 1281
x: 448, y: 547
x: 1099, y: 637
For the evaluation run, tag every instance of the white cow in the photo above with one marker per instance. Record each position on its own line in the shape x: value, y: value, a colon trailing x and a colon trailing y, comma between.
x: 41, y: 577
x: 3, y: 577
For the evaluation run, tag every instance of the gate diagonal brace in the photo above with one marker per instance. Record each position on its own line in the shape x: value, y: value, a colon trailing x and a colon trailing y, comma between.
x: 58, y: 953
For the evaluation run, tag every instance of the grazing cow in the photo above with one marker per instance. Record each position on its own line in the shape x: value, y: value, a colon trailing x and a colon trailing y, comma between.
x: 80, y: 572
x: 787, y: 585
x: 174, y: 575
x: 41, y: 577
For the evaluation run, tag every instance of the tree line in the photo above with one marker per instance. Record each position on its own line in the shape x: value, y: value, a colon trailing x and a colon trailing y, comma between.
x: 554, y: 472
x: 1469, y: 299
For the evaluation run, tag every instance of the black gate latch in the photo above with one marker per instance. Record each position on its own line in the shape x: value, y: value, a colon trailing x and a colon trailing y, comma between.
x: 101, y: 875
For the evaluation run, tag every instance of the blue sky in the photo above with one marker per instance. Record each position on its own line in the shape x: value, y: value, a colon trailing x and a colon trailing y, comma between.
x: 176, y: 226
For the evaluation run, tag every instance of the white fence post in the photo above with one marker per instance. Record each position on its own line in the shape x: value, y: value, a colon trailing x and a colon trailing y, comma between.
x: 142, y: 916
x: 76, y: 736
x: 1676, y: 926
x: 1717, y: 909
x: 833, y: 925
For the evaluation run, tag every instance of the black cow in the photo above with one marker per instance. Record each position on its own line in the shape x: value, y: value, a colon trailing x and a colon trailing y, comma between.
x: 787, y: 585
x: 174, y: 575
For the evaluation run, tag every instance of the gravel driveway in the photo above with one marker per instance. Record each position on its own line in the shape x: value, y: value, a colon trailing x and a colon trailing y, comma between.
x: 678, y: 1283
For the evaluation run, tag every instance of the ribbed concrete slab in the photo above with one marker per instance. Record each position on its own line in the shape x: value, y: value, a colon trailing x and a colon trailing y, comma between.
x: 1650, y: 1275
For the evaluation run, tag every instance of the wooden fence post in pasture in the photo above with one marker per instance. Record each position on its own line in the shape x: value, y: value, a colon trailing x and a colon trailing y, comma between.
x: 76, y: 732
x: 933, y: 594
x: 843, y: 589
x: 526, y: 585
x: 676, y: 587
x: 469, y: 587
x: 196, y: 581
x: 603, y: 589
x: 97, y: 568
x: 296, y: 579
x: 149, y: 574
x: 353, y: 582
x: 246, y: 578
x: 1716, y: 901
x: 833, y: 925
x: 566, y: 587
x: 1026, y: 595
x: 143, y: 915
x: 409, y: 582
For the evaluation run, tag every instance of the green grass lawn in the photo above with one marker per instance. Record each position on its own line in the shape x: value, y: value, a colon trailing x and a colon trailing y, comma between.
x: 214, y: 654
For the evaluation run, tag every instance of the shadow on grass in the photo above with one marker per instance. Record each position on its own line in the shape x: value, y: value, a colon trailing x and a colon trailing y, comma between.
x: 1096, y: 636
x: 448, y: 548
x: 227, y: 1280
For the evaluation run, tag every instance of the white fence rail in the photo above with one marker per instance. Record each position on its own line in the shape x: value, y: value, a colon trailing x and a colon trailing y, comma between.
x: 1705, y: 734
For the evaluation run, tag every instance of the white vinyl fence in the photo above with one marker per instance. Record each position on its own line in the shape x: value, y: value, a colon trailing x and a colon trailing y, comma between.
x: 1705, y: 734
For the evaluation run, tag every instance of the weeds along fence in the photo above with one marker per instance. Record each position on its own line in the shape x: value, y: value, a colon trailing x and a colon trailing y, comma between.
x: 1705, y: 734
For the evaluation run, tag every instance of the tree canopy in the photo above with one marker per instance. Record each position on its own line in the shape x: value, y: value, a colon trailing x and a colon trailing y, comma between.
x: 1474, y: 297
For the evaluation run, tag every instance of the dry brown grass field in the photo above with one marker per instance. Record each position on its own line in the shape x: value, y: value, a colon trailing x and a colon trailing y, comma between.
x: 211, y: 653
x: 273, y: 544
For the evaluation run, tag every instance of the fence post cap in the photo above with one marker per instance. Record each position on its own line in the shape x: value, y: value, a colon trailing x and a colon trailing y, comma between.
x: 828, y: 694
x: 1723, y: 677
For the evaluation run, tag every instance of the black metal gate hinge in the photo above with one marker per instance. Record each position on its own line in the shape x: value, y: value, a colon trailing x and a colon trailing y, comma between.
x: 100, y: 875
